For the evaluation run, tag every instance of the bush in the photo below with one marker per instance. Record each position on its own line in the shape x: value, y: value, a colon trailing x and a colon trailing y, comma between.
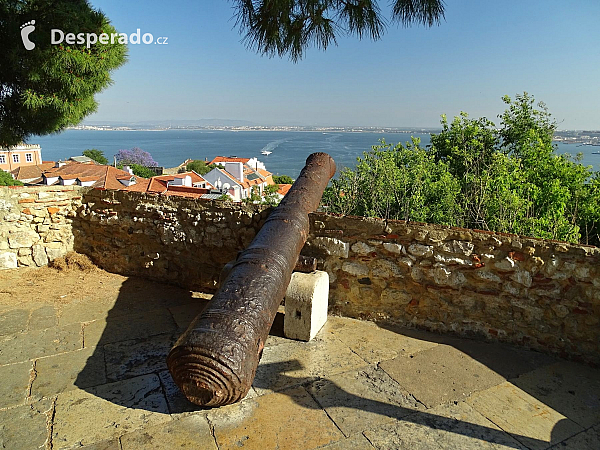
x: 200, y: 167
x: 282, y: 179
x: 474, y: 175
x: 6, y: 179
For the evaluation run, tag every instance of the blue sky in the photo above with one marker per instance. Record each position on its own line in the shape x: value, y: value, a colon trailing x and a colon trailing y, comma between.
x: 482, y: 51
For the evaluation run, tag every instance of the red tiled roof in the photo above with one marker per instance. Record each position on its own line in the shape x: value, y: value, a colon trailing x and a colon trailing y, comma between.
x: 223, y: 159
x: 107, y: 177
x: 30, y: 172
x: 283, y: 189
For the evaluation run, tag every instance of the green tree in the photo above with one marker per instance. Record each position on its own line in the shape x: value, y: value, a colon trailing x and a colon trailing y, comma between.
x: 48, y: 88
x: 6, y: 179
x: 476, y: 175
x: 289, y: 27
x: 199, y: 166
x: 139, y: 170
x: 282, y: 179
x: 96, y: 155
x: 270, y: 196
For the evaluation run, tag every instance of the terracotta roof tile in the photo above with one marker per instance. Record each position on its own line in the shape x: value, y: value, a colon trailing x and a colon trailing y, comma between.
x: 222, y: 159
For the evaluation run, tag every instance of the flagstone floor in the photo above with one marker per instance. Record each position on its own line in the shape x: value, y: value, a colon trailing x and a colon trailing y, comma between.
x: 82, y: 364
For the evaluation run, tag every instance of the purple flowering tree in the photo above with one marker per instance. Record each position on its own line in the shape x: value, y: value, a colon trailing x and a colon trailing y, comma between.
x: 136, y: 156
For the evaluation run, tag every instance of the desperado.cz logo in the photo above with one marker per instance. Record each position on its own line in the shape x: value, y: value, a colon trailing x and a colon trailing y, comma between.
x: 89, y: 39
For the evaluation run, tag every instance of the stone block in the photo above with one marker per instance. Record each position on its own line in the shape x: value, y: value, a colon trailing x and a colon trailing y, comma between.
x: 8, y: 260
x: 25, y: 427
x: 190, y: 432
x: 127, y: 359
x: 14, y: 387
x: 306, y: 302
x: 329, y: 246
x: 420, y: 250
x: 295, y: 363
x: 60, y: 373
x: 355, y: 268
x: 441, y: 374
x: 530, y: 421
x: 13, y: 321
x: 38, y: 343
x: 452, y: 426
x: 287, y: 420
x: 373, y: 343
x: 106, y: 412
x: 363, y: 399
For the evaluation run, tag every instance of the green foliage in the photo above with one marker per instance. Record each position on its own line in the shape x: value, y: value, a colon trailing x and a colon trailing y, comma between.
x: 290, y: 27
x: 199, y: 166
x: 96, y: 155
x: 51, y: 87
x: 142, y: 171
x: 270, y: 196
x: 282, y: 179
x: 6, y: 179
x: 474, y: 175
x: 224, y: 198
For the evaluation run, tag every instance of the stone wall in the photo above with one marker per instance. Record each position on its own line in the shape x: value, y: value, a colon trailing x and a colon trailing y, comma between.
x: 541, y: 294
x: 172, y: 239
x: 36, y: 224
x: 532, y: 292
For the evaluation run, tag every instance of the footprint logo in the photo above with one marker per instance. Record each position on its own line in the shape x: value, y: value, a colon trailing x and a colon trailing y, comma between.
x: 26, y: 29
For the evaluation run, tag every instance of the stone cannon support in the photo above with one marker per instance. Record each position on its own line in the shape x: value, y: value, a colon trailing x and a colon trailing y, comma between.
x: 214, y: 362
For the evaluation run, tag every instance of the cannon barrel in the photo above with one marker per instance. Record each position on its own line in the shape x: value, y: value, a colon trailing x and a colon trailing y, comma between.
x: 214, y: 362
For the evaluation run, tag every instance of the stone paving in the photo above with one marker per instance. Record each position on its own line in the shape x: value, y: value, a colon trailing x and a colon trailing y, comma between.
x: 88, y: 371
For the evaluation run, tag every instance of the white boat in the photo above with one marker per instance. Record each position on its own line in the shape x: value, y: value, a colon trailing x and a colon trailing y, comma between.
x: 266, y: 152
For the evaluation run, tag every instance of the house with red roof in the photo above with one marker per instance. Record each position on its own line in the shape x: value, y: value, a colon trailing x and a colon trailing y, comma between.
x: 238, y: 179
x: 88, y: 174
x: 187, y: 184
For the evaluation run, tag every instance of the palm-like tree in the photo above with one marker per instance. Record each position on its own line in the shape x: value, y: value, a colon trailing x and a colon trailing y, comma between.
x: 289, y: 27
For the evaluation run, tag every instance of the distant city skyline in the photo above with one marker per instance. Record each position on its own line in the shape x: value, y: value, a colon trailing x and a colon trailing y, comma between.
x: 482, y: 51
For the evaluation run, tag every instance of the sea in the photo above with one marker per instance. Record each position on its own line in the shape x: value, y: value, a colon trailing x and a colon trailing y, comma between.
x: 169, y: 148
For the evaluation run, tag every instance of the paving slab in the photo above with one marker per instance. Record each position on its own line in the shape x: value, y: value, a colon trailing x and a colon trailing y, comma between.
x: 191, y: 432
x: 440, y: 375
x: 14, y: 384
x: 373, y: 343
x: 105, y: 412
x: 37, y: 343
x: 363, y: 399
x: 13, y: 321
x: 25, y: 427
x: 115, y: 329
x: 284, y: 420
x: 127, y: 359
x: 43, y: 317
x: 85, y: 310
x: 355, y: 442
x: 586, y: 440
x: 184, y: 314
x: 59, y: 373
x: 454, y: 425
x: 571, y: 389
x: 112, y: 444
x: 527, y: 419
x: 296, y: 362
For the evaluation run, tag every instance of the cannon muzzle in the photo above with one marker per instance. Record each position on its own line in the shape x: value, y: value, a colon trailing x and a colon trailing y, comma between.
x: 214, y: 362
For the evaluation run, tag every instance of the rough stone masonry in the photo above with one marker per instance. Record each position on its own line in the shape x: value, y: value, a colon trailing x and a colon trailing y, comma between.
x: 536, y: 293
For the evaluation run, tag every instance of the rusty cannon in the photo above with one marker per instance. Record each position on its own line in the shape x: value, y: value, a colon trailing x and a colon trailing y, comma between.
x: 214, y: 362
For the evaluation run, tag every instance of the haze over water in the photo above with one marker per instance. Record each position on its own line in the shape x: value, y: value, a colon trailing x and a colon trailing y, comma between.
x: 289, y: 148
